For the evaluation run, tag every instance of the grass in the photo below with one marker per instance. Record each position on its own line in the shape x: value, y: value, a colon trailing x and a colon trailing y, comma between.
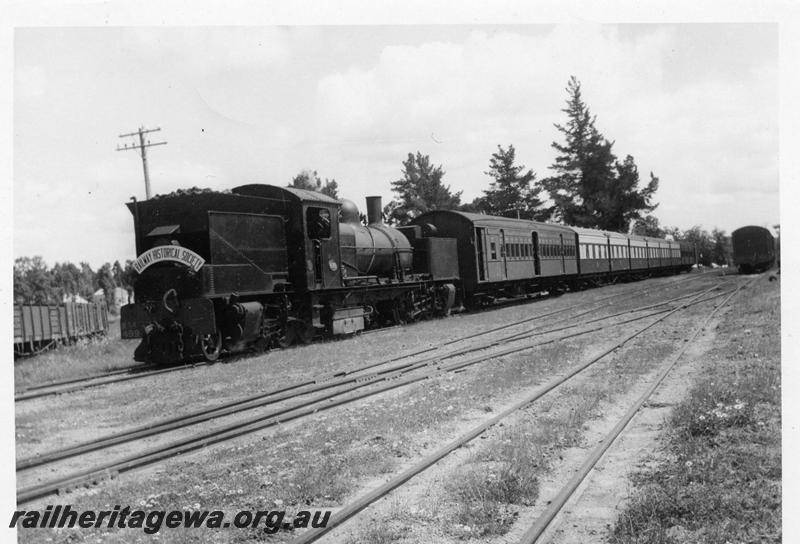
x: 84, y: 358
x: 319, y: 463
x: 720, y: 480
x: 482, y: 497
x: 487, y: 491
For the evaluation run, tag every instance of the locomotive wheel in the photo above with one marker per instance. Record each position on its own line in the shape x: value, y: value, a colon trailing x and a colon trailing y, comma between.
x: 211, y: 346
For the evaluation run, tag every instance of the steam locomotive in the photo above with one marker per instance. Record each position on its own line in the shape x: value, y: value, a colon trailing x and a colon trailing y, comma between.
x: 263, y: 266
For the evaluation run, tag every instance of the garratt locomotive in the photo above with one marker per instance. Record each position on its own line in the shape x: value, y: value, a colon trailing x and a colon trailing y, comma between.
x: 261, y: 266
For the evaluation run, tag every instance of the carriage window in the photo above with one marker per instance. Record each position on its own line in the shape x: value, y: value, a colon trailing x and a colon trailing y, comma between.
x: 493, y: 249
x: 318, y: 223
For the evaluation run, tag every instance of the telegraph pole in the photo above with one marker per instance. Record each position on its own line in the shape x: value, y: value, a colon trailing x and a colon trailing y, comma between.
x: 142, y: 146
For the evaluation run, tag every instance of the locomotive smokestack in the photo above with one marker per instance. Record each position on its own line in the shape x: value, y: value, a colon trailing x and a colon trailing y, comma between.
x: 374, y: 210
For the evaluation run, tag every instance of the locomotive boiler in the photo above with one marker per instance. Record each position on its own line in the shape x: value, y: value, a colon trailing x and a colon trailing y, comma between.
x: 374, y: 249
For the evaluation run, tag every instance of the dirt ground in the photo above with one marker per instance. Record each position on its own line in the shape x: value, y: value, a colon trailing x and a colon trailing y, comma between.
x: 592, y: 511
x: 348, y: 450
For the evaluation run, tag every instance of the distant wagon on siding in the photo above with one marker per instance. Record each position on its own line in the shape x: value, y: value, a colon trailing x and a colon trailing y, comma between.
x: 41, y: 327
x: 753, y: 249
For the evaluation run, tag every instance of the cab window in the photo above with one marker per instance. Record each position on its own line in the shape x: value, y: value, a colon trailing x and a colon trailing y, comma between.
x: 318, y: 223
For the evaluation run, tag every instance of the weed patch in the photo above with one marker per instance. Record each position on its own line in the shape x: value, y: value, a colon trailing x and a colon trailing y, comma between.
x: 487, y: 492
x: 721, y: 477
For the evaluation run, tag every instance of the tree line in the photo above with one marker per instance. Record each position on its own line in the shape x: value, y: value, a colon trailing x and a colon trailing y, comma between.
x: 588, y: 186
x: 36, y: 283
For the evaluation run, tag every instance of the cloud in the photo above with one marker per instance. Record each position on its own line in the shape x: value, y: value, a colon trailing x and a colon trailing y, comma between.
x: 709, y: 133
x: 205, y: 50
x: 240, y: 105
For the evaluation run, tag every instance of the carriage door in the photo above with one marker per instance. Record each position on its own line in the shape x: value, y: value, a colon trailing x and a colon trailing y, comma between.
x: 480, y: 252
x: 495, y: 266
x: 537, y: 264
x: 561, y: 246
x: 503, y: 252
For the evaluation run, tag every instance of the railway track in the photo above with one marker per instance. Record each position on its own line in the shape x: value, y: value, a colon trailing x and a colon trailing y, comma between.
x: 144, y: 371
x: 116, y: 376
x: 298, y: 389
x: 534, y: 532
x: 344, y: 388
x: 556, y: 504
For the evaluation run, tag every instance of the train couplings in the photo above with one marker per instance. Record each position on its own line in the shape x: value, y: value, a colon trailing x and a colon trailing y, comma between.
x: 171, y: 329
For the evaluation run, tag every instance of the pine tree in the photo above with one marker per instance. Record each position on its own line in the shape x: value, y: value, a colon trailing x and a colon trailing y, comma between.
x: 584, y: 165
x: 622, y: 202
x: 420, y: 190
x: 511, y: 194
x: 591, y: 188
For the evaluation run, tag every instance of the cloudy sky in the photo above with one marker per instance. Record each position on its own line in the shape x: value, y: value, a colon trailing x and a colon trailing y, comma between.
x: 697, y: 104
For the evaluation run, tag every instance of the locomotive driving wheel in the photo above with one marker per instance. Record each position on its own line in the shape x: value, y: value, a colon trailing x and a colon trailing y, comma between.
x: 211, y: 346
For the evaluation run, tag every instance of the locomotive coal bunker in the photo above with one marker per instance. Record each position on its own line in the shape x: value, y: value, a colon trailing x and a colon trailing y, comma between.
x: 261, y: 266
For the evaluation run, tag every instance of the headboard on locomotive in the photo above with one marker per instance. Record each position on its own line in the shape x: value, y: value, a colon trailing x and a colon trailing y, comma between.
x: 209, y: 243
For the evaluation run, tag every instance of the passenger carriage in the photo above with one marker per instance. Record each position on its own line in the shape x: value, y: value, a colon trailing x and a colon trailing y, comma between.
x: 592, y: 251
x: 498, y: 254
x: 619, y: 252
x: 638, y: 252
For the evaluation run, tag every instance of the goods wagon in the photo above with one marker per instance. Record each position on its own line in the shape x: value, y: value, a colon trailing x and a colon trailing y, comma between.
x: 40, y: 327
